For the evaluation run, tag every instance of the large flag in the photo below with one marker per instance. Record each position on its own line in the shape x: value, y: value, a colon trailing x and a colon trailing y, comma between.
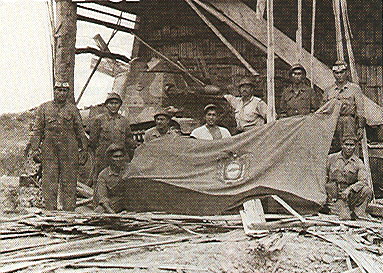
x: 286, y: 157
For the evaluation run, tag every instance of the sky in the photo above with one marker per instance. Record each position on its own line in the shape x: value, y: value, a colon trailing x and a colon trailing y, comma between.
x: 25, y: 55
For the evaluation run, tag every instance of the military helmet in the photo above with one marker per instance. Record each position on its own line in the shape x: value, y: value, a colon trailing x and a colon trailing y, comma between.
x: 162, y: 112
x: 113, y: 96
x: 246, y: 80
x: 114, y: 147
x: 339, y: 66
x: 349, y: 137
x: 297, y: 67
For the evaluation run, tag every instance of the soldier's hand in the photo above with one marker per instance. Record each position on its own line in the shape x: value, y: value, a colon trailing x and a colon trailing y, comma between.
x: 344, y: 194
x: 36, y: 156
x: 83, y: 157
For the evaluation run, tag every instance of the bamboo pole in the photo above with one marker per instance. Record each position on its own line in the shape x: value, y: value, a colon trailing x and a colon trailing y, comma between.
x: 222, y: 38
x: 338, y: 30
x: 270, y: 62
x: 298, y: 34
x: 312, y: 44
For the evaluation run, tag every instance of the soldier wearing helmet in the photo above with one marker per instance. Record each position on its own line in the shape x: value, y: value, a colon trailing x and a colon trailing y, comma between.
x: 107, y: 128
x: 59, y: 134
x: 298, y: 98
x: 250, y: 111
x: 164, y: 122
x: 351, y: 119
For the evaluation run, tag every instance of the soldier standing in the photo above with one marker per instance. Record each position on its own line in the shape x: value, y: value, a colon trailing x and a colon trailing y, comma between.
x: 108, y: 128
x: 351, y: 119
x: 298, y: 98
x: 59, y: 134
x: 250, y: 111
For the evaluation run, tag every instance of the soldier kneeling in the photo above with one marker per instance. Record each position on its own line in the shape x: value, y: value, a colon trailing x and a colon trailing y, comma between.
x: 347, y: 187
x: 109, y: 195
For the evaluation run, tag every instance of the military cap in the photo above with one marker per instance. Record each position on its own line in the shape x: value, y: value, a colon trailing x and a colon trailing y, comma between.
x: 114, y: 147
x: 113, y: 96
x: 162, y: 112
x: 210, y: 106
x: 297, y: 67
x: 246, y: 80
x: 61, y: 85
x: 339, y: 66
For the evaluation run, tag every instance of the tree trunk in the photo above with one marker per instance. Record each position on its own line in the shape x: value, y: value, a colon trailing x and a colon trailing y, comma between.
x: 66, y: 28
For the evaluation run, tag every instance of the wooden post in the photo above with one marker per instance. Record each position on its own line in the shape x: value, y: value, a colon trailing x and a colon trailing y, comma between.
x: 270, y: 62
x: 260, y: 10
x: 66, y: 12
x: 355, y: 79
x: 338, y: 30
x: 312, y: 44
x: 298, y: 34
x: 222, y: 38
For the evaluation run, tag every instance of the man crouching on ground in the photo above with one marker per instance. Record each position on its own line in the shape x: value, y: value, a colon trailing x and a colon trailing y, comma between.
x: 109, y: 195
x: 347, y: 188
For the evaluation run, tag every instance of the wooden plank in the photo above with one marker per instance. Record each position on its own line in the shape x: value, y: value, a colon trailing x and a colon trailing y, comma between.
x: 312, y: 44
x: 271, y: 114
x: 173, y: 267
x: 254, y: 211
x: 243, y: 20
x: 260, y: 9
x: 375, y: 209
x: 298, y: 35
x: 288, y: 208
x: 338, y: 30
x: 222, y: 38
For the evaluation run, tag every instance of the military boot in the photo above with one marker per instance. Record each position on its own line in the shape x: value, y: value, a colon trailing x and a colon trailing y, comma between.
x: 341, y: 208
x: 360, y: 211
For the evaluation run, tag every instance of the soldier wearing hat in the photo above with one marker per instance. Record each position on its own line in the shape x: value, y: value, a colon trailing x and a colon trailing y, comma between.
x: 250, y: 111
x: 351, y: 120
x: 59, y: 134
x: 108, y: 128
x: 163, y: 120
x: 298, y: 98
x: 347, y: 188
x: 110, y: 192
x: 210, y: 130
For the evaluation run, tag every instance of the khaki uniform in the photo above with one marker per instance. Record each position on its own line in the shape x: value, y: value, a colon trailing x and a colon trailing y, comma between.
x: 110, y: 190
x: 58, y: 131
x: 153, y: 133
x: 300, y: 100
x: 105, y: 130
x: 351, y: 114
x: 348, y: 173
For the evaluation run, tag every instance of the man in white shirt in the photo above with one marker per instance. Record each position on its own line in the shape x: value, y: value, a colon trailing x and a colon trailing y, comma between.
x: 250, y: 111
x: 210, y: 130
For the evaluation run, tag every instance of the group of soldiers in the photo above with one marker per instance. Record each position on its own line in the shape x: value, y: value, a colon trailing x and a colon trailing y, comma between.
x: 58, y: 140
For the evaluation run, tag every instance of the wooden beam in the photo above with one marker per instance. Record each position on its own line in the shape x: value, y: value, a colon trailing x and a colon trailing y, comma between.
x: 260, y: 10
x: 288, y: 208
x: 103, y: 54
x: 270, y: 63
x: 312, y: 44
x: 65, y: 35
x: 338, y: 30
x: 299, y: 32
x: 222, y: 38
x: 105, y: 24
x: 106, y: 13
x: 243, y: 20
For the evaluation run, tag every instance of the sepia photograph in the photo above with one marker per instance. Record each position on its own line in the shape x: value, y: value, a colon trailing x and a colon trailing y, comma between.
x: 191, y: 136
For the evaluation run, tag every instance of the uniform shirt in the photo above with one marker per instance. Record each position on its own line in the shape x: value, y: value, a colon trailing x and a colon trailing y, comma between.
x: 351, y: 97
x: 111, y: 189
x: 300, y: 100
x: 346, y: 172
x: 153, y: 133
x: 249, y: 114
x: 107, y: 129
x: 57, y: 121
x: 204, y: 133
